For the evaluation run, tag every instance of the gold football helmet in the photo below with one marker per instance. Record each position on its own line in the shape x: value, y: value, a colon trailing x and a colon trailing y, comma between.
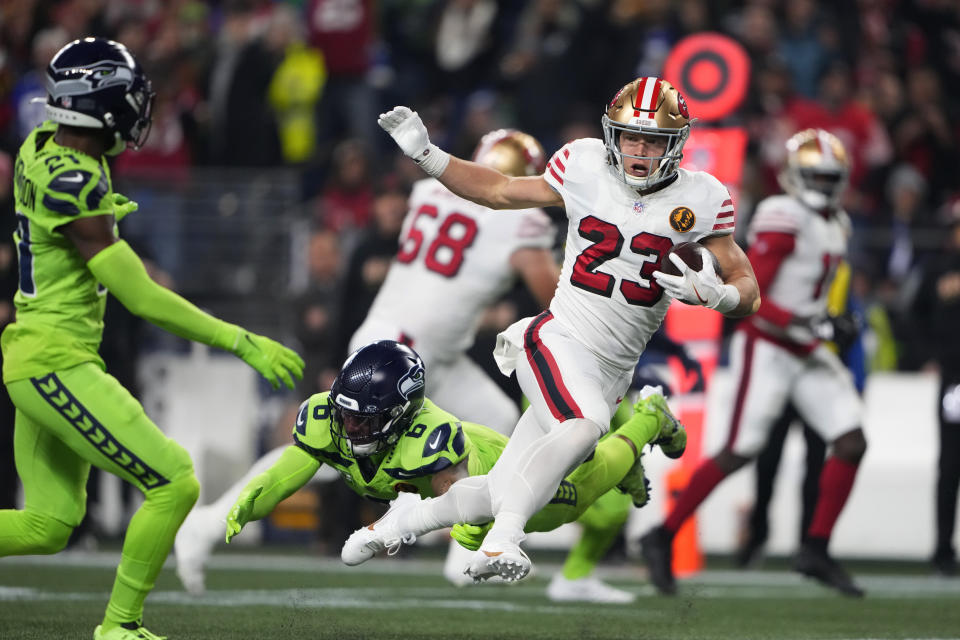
x: 651, y: 106
x: 817, y: 169
x: 511, y: 152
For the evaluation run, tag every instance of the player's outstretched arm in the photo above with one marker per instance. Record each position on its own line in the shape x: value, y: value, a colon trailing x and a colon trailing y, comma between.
x: 121, y: 271
x: 475, y: 182
x: 263, y: 493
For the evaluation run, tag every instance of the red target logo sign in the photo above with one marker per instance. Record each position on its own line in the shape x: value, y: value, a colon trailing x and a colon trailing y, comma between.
x: 712, y: 71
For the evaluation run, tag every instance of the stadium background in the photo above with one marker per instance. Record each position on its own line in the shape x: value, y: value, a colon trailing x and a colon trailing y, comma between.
x: 269, y: 196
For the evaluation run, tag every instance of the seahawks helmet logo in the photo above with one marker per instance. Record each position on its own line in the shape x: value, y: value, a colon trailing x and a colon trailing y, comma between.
x: 91, y: 78
x: 410, y: 381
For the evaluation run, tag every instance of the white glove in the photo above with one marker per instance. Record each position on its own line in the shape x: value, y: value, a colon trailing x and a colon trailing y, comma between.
x: 702, y: 287
x: 407, y: 130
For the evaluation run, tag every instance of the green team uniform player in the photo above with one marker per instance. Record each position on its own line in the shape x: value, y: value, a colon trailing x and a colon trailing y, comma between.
x: 424, y: 449
x: 70, y: 413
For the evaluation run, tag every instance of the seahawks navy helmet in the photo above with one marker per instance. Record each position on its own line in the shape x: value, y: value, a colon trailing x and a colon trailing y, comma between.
x: 97, y: 83
x: 375, y: 397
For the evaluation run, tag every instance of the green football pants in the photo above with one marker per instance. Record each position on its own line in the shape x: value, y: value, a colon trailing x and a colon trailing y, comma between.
x: 68, y: 420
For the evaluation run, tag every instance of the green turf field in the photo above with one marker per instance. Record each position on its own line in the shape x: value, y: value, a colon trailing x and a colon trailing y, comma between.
x: 265, y: 597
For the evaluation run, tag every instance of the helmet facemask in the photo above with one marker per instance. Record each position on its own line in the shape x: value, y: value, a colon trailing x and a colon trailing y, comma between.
x: 654, y: 109
x: 661, y: 167
x: 365, y: 434
x: 817, y: 170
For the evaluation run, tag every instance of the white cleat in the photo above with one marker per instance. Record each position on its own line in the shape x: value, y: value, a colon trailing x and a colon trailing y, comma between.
x: 504, y: 559
x: 586, y: 589
x: 193, y: 546
x: 366, y: 542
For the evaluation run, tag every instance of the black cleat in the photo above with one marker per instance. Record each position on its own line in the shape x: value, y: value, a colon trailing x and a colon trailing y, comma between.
x: 820, y: 566
x: 750, y: 555
x: 944, y: 563
x: 657, y: 550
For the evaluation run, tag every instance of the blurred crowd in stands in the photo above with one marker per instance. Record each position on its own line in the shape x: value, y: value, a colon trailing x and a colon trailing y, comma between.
x: 257, y: 84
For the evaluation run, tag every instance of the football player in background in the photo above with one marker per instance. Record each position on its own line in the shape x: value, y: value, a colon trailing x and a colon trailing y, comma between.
x: 846, y: 313
x: 628, y: 203
x: 455, y: 259
x: 376, y: 427
x: 796, y: 242
x: 70, y: 413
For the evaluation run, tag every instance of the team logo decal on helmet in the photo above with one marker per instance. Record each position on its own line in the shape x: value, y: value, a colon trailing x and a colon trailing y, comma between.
x: 410, y: 382
x: 682, y: 219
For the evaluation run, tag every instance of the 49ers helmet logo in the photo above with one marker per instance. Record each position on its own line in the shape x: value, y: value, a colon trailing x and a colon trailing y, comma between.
x: 682, y: 106
x: 682, y: 219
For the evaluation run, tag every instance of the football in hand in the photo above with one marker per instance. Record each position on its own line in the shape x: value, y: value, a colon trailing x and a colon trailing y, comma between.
x: 692, y: 253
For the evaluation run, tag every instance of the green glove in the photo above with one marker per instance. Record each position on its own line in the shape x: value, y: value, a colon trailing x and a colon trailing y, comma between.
x: 123, y: 206
x: 274, y: 361
x: 470, y: 536
x: 240, y: 513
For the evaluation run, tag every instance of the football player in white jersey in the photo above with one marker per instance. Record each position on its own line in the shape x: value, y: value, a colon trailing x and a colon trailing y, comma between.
x: 628, y: 202
x: 455, y: 259
x: 777, y: 357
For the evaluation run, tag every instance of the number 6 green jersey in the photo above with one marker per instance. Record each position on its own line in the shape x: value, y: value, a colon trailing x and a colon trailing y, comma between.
x: 435, y: 441
x: 59, y: 319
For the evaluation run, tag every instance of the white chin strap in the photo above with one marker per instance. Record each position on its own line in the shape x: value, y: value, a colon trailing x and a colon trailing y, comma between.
x: 72, y: 118
x: 364, y: 450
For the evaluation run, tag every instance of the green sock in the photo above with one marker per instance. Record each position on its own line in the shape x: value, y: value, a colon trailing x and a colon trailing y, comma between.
x: 601, y: 524
x: 640, y: 429
x: 146, y: 545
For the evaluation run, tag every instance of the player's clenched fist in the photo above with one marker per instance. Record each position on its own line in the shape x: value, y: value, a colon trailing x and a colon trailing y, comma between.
x: 408, y: 131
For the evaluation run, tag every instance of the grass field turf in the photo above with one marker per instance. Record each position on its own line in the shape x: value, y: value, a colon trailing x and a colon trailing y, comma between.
x: 288, y: 596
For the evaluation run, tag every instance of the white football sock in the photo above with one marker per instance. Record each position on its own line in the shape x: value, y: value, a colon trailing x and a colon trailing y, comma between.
x: 524, y: 488
x: 470, y: 500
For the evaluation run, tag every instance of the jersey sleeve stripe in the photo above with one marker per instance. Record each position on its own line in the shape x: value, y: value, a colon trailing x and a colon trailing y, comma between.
x: 63, y: 207
x: 726, y: 214
x: 559, y: 165
x: 727, y: 203
x: 555, y: 175
x: 724, y: 225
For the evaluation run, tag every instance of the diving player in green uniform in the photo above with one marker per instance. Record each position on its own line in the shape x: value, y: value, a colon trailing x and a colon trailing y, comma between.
x: 384, y: 437
x: 70, y: 413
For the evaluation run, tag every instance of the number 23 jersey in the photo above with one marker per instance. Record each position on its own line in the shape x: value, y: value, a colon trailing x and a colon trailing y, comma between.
x: 453, y: 262
x: 607, y: 297
x: 435, y: 441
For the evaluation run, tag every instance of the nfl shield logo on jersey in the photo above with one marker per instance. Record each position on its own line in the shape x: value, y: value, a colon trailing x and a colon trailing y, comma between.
x: 638, y: 207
